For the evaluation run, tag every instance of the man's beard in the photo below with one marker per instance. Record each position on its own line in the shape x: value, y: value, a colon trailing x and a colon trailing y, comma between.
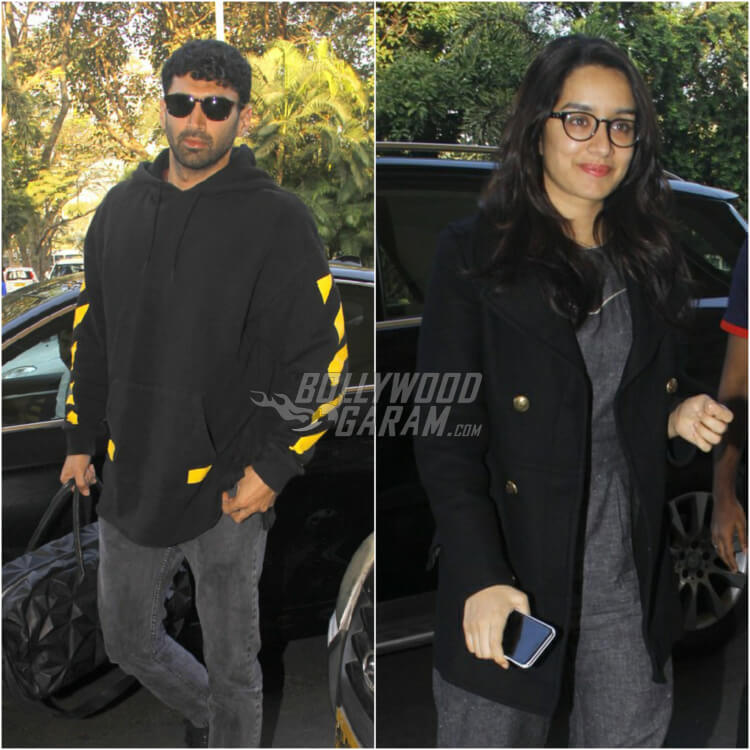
x: 204, y: 157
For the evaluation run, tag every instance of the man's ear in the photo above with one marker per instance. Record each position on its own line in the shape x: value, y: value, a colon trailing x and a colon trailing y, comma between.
x: 163, y: 114
x: 246, y: 116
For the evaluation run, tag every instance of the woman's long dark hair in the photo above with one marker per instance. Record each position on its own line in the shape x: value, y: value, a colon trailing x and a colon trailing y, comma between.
x: 535, y: 238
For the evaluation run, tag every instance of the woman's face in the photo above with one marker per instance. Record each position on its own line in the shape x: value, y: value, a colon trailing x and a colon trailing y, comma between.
x: 579, y: 175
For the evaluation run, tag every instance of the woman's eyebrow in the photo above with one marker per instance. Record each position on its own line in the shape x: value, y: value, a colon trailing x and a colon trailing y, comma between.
x: 578, y: 107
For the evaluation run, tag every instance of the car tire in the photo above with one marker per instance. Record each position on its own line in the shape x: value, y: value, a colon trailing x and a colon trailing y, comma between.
x: 712, y: 597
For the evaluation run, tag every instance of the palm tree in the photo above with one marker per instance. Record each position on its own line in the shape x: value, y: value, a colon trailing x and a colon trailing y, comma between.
x: 314, y: 135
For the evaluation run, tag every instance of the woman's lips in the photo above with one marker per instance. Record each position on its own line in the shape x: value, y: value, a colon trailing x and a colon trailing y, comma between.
x: 596, y: 170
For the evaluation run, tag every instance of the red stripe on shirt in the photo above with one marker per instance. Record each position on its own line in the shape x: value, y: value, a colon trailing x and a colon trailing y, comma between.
x: 736, y: 330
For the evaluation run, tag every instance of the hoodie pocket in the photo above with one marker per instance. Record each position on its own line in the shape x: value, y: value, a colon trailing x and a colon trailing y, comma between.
x: 159, y: 442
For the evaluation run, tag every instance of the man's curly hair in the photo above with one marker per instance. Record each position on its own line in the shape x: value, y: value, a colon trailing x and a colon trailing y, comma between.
x: 210, y: 60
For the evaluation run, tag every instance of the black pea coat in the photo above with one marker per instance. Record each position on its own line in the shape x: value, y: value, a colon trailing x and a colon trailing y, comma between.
x: 508, y: 502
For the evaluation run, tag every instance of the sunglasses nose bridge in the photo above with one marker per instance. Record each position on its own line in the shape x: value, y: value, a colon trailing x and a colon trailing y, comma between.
x: 196, y: 114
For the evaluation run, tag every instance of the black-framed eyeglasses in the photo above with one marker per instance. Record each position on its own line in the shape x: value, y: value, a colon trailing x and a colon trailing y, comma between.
x: 582, y: 126
x: 214, y: 107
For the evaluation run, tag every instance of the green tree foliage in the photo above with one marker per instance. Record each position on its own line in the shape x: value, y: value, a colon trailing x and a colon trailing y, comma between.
x: 448, y: 72
x: 80, y: 105
x: 312, y: 135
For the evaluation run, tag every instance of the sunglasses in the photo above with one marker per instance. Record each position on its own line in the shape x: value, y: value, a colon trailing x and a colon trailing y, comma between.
x: 214, y: 107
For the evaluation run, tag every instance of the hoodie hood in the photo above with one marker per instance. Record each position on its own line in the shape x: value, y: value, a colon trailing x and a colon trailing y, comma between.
x: 240, y: 173
x: 177, y: 206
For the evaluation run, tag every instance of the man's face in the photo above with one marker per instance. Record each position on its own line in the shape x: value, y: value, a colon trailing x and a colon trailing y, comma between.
x: 198, y: 143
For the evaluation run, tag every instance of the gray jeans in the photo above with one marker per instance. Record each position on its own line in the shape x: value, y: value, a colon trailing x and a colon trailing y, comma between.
x: 226, y: 695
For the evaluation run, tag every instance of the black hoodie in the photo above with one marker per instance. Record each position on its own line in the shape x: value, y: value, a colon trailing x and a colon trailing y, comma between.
x: 198, y: 307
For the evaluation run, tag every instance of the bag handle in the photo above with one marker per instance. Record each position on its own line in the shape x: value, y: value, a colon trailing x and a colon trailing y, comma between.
x: 59, y: 501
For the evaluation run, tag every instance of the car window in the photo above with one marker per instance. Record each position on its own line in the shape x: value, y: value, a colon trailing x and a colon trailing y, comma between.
x: 36, y: 374
x: 410, y: 219
x: 357, y: 302
x: 409, y: 222
x: 63, y: 269
x: 711, y: 236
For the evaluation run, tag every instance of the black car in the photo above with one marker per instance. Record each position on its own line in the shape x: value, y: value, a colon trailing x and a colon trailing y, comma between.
x: 417, y: 196
x: 321, y: 516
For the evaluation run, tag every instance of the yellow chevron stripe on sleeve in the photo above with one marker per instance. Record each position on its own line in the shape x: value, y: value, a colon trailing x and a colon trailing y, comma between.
x: 70, y: 400
x: 111, y: 450
x: 73, y: 350
x: 325, y: 408
x: 80, y: 314
x: 324, y: 285
x: 305, y: 443
x: 72, y: 417
x: 83, y: 286
x: 339, y: 323
x: 337, y: 365
x: 195, y: 476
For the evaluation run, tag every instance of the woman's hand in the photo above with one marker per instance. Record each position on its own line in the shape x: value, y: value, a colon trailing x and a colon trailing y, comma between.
x: 485, y: 615
x: 700, y: 420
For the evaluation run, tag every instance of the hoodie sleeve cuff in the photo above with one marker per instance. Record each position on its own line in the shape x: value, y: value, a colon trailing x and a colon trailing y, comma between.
x: 276, y: 469
x: 80, y: 441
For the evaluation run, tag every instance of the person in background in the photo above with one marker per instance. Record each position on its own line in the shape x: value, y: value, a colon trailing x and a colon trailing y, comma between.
x: 728, y: 517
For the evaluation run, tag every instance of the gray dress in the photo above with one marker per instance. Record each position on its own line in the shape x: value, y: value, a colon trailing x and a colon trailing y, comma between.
x: 609, y: 581
x: 614, y: 701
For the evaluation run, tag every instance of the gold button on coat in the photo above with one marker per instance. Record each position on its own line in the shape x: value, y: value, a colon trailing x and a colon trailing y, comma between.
x: 521, y: 403
x: 672, y: 385
x: 511, y: 487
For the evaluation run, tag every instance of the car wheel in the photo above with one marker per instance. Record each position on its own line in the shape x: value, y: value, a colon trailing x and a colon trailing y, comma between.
x: 709, y: 591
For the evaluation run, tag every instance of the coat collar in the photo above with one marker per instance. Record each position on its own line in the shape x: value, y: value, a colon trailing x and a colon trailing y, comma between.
x: 523, y: 305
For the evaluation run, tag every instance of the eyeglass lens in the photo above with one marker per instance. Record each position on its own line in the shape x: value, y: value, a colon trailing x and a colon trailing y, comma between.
x: 581, y: 126
x: 214, y: 107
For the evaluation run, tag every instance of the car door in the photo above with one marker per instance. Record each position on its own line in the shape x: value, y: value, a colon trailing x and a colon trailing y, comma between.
x: 35, y: 377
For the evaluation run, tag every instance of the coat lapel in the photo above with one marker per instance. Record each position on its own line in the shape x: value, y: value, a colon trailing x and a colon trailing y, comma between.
x: 648, y: 331
x: 524, y: 306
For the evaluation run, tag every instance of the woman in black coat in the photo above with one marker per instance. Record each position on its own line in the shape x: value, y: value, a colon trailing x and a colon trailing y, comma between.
x: 566, y: 293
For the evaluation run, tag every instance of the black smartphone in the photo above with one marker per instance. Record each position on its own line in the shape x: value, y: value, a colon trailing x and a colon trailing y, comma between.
x: 525, y: 638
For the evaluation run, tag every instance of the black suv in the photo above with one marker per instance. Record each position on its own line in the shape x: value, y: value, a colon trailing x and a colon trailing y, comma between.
x: 417, y: 196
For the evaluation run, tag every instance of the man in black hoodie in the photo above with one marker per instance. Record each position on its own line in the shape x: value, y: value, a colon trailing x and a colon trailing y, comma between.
x: 204, y: 282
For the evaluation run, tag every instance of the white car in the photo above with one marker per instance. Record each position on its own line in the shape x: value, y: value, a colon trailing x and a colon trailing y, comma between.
x: 17, y: 277
x: 66, y: 267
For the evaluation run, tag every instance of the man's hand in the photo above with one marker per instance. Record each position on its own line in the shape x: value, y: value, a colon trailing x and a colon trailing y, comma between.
x: 253, y: 496
x: 485, y: 615
x: 727, y: 518
x: 700, y: 420
x: 79, y: 467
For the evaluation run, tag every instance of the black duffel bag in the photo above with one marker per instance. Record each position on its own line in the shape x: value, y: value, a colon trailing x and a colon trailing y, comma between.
x: 53, y: 650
